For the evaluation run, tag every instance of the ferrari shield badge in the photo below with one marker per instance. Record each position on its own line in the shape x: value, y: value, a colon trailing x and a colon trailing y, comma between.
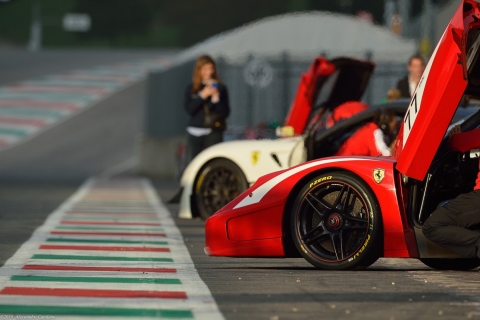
x: 255, y: 156
x: 378, y: 175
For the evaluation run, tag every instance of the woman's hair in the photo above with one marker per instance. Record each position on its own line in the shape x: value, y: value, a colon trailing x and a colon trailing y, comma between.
x: 197, y: 77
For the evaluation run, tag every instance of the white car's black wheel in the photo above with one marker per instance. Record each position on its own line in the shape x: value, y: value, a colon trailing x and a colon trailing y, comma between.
x: 451, y: 264
x: 218, y: 183
x: 336, y: 222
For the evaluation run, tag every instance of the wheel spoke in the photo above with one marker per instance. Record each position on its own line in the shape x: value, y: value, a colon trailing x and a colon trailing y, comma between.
x: 316, y: 210
x: 354, y: 227
x: 345, y: 200
x: 318, y: 226
x: 332, y: 237
x: 340, y: 235
x: 316, y: 237
x: 320, y: 202
x: 222, y: 187
x: 350, y: 218
x: 339, y: 197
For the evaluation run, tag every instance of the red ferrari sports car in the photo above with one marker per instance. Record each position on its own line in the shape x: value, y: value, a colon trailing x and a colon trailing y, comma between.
x: 344, y: 213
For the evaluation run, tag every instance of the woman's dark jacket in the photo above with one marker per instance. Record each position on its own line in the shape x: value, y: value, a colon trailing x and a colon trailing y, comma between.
x: 194, y: 105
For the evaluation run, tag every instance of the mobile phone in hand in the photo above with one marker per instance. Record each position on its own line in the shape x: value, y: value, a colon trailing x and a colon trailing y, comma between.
x: 215, y: 85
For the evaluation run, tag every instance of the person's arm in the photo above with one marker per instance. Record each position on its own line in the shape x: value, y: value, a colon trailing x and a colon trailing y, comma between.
x: 193, y: 103
x: 463, y: 141
x: 380, y: 143
x: 223, y: 104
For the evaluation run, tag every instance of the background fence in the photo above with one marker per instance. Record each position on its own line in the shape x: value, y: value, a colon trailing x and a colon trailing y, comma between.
x: 260, y: 91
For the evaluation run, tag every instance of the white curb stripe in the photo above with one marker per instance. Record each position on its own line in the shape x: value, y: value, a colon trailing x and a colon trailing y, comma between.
x: 199, y: 299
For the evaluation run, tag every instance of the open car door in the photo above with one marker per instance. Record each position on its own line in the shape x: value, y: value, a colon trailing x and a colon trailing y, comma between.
x: 326, y: 85
x: 302, y: 105
x: 451, y: 72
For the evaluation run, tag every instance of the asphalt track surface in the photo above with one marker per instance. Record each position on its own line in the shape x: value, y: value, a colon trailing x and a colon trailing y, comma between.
x: 38, y: 176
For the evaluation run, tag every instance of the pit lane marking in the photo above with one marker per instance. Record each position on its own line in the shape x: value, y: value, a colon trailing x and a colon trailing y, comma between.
x: 62, y: 276
x: 30, y: 107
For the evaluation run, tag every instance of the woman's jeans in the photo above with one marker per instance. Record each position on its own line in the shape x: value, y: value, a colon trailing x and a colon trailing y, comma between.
x: 196, y: 144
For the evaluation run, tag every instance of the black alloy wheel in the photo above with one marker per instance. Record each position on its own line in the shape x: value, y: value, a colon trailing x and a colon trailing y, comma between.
x: 219, y: 182
x: 451, y: 264
x: 336, y: 222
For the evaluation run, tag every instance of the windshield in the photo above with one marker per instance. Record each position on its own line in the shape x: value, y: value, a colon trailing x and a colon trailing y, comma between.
x: 318, y: 116
x: 327, y: 87
x: 472, y: 51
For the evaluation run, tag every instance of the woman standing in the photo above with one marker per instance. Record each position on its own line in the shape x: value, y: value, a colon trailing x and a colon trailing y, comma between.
x: 206, y: 98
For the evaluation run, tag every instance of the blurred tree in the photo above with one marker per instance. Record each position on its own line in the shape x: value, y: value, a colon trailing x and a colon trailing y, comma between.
x: 113, y: 19
x: 197, y: 20
x: 299, y: 5
x: 157, y: 23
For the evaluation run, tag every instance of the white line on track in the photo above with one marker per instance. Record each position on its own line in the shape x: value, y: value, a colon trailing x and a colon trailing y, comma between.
x: 199, y: 299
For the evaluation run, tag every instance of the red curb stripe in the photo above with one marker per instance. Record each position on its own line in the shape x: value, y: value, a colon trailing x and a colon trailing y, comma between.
x: 107, y: 269
x: 4, y: 143
x: 23, y: 121
x: 104, y: 223
x: 70, y: 106
x: 102, y: 248
x: 25, y: 291
x: 113, y: 214
x: 110, y: 233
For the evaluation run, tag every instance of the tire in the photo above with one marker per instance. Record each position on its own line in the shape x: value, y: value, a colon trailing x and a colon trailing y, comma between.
x: 452, y: 264
x: 218, y: 183
x: 336, y: 222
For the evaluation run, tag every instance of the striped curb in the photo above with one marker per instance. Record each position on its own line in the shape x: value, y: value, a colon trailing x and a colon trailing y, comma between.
x: 28, y: 108
x: 116, y: 274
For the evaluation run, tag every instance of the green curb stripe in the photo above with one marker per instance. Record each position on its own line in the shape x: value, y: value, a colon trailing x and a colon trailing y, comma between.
x: 97, y: 279
x: 105, y: 241
x: 89, y: 311
x: 32, y: 112
x: 13, y: 132
x: 71, y: 257
x: 109, y: 218
x: 107, y: 228
x: 50, y: 96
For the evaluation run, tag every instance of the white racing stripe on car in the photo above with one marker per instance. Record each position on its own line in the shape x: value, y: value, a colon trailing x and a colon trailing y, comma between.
x: 260, y: 192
